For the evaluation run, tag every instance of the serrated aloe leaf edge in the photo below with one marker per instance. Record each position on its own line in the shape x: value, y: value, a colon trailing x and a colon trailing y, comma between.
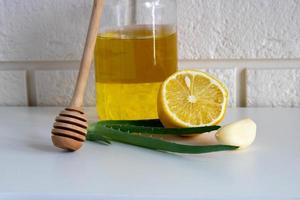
x: 148, y: 122
x: 154, y: 127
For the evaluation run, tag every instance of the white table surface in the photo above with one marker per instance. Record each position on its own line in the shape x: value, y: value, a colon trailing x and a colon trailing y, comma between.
x: 31, y: 168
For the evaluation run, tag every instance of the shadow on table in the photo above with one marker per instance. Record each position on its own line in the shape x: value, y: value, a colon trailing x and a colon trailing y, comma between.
x: 45, y: 147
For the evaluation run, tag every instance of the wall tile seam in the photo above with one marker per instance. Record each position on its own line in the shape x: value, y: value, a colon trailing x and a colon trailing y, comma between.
x: 57, y: 65
x: 238, y: 81
x: 181, y: 60
x: 18, y: 68
x: 274, y: 68
x: 232, y: 76
x: 237, y: 59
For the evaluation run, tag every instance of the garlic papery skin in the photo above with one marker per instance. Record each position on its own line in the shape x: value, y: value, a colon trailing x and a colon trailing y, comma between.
x: 241, y: 133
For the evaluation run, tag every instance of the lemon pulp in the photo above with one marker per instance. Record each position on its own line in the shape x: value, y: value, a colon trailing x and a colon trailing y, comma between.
x: 192, y: 98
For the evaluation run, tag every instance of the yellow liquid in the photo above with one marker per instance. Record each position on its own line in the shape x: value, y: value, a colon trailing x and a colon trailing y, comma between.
x: 130, y: 66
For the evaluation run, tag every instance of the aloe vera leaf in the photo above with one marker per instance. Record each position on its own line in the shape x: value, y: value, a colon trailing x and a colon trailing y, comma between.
x: 148, y: 123
x: 154, y: 127
x: 91, y: 128
x: 151, y: 143
x: 159, y: 130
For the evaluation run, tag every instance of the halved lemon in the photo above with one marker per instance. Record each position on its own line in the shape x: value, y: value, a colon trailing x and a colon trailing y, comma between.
x: 192, y: 99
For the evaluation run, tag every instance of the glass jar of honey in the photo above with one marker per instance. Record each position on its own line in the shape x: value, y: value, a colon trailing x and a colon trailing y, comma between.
x: 136, y: 50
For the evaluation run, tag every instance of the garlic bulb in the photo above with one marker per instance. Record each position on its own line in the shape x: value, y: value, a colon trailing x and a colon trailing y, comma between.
x: 241, y: 133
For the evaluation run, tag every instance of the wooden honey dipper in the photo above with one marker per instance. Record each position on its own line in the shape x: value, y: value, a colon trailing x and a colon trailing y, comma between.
x: 70, y: 127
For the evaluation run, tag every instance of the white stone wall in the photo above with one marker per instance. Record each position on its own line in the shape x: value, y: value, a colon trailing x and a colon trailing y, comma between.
x: 252, y: 45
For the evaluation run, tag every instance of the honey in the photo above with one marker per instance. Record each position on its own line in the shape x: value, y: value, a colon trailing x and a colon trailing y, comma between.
x: 130, y: 65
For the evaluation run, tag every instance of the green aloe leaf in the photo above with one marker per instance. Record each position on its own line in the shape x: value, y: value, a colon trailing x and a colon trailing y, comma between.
x: 91, y: 129
x: 148, y: 122
x: 154, y: 127
x: 97, y: 132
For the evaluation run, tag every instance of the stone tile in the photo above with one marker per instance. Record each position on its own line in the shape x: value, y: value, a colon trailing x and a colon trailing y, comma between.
x: 273, y: 87
x: 55, y: 87
x: 237, y: 29
x: 42, y: 29
x: 55, y: 30
x: 13, y: 88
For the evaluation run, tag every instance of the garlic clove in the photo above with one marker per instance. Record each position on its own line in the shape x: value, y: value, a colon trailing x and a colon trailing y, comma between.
x: 241, y: 133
